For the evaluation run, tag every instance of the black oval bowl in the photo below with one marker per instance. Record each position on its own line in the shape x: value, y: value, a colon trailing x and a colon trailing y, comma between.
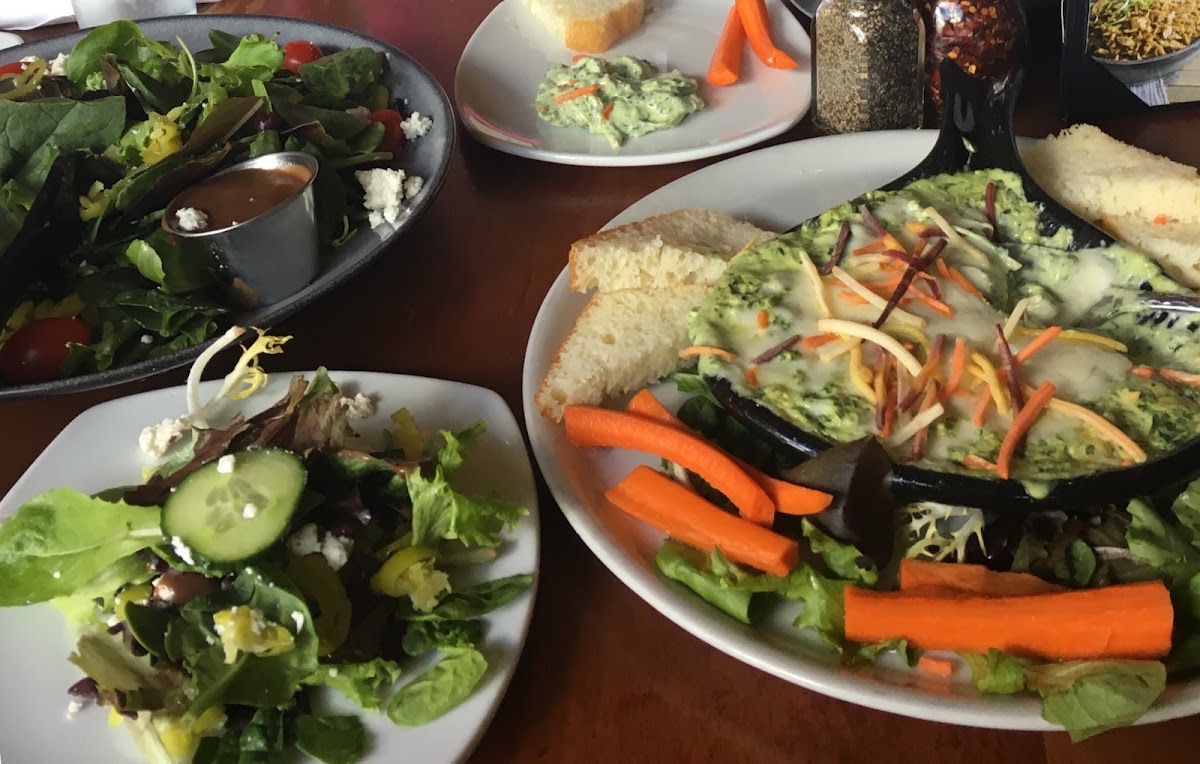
x: 428, y: 157
x: 1149, y: 69
x: 977, y: 133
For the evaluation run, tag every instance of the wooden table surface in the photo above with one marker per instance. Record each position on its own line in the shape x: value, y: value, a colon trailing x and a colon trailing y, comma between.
x: 603, y: 676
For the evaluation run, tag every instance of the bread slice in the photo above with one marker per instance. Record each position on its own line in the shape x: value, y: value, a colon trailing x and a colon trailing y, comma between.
x: 621, y: 341
x: 589, y: 26
x: 682, y: 247
x: 1175, y: 245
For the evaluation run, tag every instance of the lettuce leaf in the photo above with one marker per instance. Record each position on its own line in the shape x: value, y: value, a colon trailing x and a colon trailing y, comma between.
x: 996, y: 672
x: 59, y: 541
x: 703, y: 576
x: 440, y: 512
x: 844, y: 561
x: 439, y: 689
x: 1090, y: 697
x: 361, y: 682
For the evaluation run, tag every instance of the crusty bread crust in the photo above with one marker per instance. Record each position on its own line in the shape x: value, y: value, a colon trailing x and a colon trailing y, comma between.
x: 596, y: 35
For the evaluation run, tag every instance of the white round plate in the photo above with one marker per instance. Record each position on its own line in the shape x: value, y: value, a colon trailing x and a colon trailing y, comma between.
x: 507, y: 57
x: 99, y: 449
x: 775, y: 188
x: 8, y: 40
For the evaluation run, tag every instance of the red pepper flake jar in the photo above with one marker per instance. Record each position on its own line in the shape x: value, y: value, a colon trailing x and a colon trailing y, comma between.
x: 980, y: 35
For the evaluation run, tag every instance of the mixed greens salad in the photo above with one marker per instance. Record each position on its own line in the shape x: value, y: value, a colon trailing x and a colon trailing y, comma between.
x: 95, y: 143
x: 863, y: 538
x: 263, y: 559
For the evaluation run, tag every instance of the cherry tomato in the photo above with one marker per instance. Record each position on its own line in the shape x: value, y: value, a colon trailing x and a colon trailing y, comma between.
x: 16, y: 67
x: 393, y: 135
x: 36, y: 351
x: 298, y: 52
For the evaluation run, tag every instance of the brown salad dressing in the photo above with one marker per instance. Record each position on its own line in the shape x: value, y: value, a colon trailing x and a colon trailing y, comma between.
x: 241, y: 195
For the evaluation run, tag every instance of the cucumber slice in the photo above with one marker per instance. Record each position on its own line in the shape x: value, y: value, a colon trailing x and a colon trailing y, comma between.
x: 231, y: 512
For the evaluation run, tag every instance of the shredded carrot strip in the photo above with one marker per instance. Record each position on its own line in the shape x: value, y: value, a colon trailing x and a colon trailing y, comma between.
x: 875, y: 246
x: 937, y: 305
x: 936, y: 666
x: 956, y: 276
x: 1020, y: 426
x: 607, y: 110
x: 705, y: 350
x: 752, y: 376
x: 1160, y: 220
x: 764, y: 319
x: 850, y: 297
x: 817, y: 340
x: 981, y: 406
x: 958, y: 362
x: 578, y: 57
x: 976, y: 462
x: 1142, y: 371
x: 1180, y: 377
x: 1042, y: 340
x: 919, y: 249
x: 576, y: 93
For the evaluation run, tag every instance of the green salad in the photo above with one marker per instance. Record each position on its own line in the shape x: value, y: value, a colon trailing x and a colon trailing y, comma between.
x: 95, y: 143
x: 264, y: 559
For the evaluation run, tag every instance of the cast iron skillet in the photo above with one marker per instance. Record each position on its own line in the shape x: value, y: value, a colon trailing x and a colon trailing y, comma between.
x: 977, y: 133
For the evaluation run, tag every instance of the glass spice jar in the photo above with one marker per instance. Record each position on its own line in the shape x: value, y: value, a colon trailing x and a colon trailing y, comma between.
x: 982, y: 36
x: 867, y: 65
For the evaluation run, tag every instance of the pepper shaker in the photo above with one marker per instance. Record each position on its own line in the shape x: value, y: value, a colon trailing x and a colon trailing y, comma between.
x: 981, y: 36
x: 868, y: 69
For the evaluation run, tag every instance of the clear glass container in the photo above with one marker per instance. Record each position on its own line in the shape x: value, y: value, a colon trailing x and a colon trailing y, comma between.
x: 981, y: 36
x: 868, y: 65
x: 93, y: 13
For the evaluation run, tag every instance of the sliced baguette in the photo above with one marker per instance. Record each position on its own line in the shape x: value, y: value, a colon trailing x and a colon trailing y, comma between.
x: 589, y: 26
x: 621, y: 341
x: 1175, y: 245
x: 678, y: 248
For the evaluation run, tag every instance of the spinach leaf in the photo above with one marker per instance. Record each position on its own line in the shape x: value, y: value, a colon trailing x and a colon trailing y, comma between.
x: 34, y: 133
x: 226, y: 118
x: 152, y: 187
x: 335, y: 127
x: 123, y: 40
x: 423, y: 637
x: 361, y: 682
x: 58, y: 541
x: 1090, y: 697
x: 223, y: 44
x: 336, y: 77
x: 439, y: 689
x: 331, y: 739
x: 164, y: 262
x: 440, y: 512
x: 158, y: 94
x: 149, y: 627
x: 477, y: 600
x: 261, y: 741
x: 11, y: 219
x: 1157, y: 542
x: 80, y: 606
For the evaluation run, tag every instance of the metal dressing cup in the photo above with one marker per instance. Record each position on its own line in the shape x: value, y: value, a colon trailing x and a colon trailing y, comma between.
x: 267, y: 257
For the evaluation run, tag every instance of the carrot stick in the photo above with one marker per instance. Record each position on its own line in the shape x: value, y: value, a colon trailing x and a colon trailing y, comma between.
x: 921, y: 575
x: 727, y: 58
x: 1113, y: 622
x: 817, y: 340
x: 757, y: 24
x: 1042, y: 340
x: 764, y: 318
x: 594, y: 426
x: 789, y: 498
x: 1180, y: 377
x: 1142, y: 371
x: 981, y: 406
x: 705, y: 350
x: 976, y: 462
x: 1020, y: 426
x: 958, y: 362
x: 664, y: 504
x: 942, y: 667
x: 576, y: 93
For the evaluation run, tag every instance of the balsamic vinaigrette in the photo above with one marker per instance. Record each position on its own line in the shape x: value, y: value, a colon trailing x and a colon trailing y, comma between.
x: 238, y: 196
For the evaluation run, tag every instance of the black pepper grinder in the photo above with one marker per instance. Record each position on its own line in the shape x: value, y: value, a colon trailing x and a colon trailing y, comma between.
x: 986, y: 38
x: 867, y: 65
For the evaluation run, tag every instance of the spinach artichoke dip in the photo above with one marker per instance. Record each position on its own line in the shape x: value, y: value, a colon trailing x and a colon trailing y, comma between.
x: 621, y: 98
x: 1083, y: 380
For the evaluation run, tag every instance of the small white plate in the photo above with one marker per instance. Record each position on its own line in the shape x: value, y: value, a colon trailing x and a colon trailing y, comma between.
x: 507, y: 57
x: 775, y: 188
x: 9, y: 40
x: 99, y: 449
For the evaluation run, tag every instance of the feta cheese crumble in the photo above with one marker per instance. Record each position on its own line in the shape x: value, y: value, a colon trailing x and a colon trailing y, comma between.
x: 146, y: 339
x: 336, y: 551
x: 385, y: 192
x: 416, y: 125
x: 190, y: 219
x: 359, y: 407
x: 157, y: 438
x: 74, y: 707
x: 250, y: 511
x: 182, y: 550
x: 298, y: 619
x: 225, y: 464
x: 58, y: 67
x: 308, y: 540
x: 304, y: 541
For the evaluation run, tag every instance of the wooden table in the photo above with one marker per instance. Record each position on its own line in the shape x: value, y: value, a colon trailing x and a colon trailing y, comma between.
x: 603, y: 676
